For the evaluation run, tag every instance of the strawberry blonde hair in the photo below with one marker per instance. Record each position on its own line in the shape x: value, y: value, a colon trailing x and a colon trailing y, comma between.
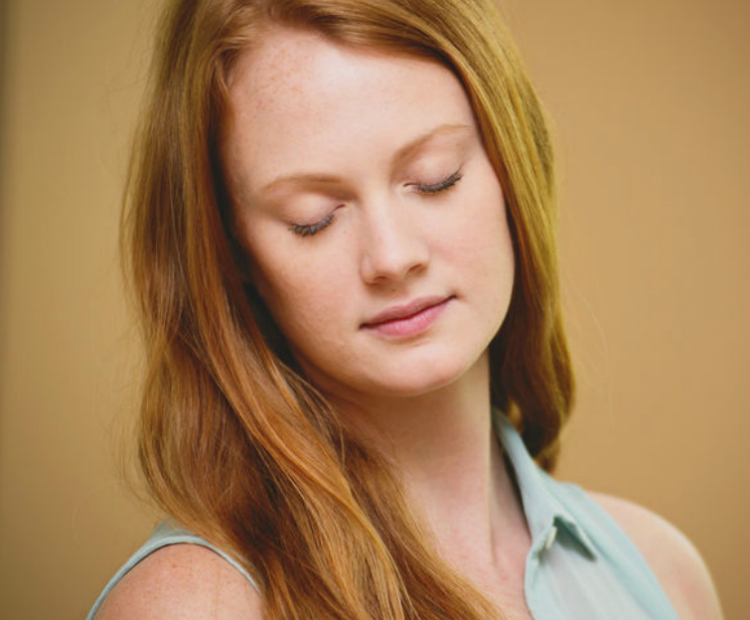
x: 233, y: 442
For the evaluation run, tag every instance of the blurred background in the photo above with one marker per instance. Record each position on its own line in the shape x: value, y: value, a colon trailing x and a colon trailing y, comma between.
x: 649, y: 101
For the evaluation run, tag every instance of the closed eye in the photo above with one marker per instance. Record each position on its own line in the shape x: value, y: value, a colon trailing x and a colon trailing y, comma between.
x: 307, y: 230
x: 441, y: 186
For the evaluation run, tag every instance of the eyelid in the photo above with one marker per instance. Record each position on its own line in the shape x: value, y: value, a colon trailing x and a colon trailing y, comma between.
x: 446, y: 183
x: 307, y: 230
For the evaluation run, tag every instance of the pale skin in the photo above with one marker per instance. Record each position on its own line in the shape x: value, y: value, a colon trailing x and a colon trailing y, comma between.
x: 400, y: 205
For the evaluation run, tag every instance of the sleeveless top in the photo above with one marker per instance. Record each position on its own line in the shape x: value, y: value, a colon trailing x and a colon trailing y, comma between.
x: 581, y: 565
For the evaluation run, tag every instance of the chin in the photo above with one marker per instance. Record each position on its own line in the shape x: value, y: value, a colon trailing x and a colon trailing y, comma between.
x: 424, y: 377
x: 410, y: 374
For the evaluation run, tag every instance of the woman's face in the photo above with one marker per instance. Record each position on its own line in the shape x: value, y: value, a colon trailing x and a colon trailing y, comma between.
x: 372, y: 218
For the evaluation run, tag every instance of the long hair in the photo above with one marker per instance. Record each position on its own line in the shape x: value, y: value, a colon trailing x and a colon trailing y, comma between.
x: 233, y: 442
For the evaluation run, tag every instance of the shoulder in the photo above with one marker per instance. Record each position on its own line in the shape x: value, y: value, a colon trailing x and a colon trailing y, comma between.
x: 182, y: 581
x: 673, y: 558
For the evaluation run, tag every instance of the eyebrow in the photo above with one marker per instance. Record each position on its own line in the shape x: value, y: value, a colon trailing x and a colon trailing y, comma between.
x: 404, y: 153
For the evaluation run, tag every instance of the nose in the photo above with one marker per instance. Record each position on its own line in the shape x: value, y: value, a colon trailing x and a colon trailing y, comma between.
x: 393, y: 244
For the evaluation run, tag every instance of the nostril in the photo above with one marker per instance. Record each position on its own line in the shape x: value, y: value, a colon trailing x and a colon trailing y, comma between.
x: 387, y: 265
x: 392, y: 243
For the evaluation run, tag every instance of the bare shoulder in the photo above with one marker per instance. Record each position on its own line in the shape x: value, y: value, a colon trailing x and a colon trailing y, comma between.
x: 673, y: 558
x: 182, y: 581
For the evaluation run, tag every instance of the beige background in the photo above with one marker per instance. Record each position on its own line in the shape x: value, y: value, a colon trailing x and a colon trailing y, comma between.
x: 650, y: 100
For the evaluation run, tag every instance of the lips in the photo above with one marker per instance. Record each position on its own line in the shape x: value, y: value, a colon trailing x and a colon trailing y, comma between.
x: 408, y: 319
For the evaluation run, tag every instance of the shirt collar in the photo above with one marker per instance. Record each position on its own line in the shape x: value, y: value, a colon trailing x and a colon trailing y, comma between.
x: 545, y: 513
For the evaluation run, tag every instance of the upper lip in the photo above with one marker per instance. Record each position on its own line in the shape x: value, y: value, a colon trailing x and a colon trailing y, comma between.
x: 404, y: 311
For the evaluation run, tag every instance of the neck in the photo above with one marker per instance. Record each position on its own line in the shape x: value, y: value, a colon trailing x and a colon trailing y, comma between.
x: 444, y: 450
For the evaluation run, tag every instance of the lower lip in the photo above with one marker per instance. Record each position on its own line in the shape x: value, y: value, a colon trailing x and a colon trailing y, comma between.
x: 413, y: 325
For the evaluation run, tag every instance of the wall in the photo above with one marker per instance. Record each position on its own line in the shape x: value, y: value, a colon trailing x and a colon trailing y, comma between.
x: 72, y: 82
x: 649, y: 101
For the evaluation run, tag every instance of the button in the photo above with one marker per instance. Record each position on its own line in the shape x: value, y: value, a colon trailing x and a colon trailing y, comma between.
x: 550, y: 538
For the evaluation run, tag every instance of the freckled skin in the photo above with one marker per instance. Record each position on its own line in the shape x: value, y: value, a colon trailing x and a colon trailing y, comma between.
x: 300, y: 104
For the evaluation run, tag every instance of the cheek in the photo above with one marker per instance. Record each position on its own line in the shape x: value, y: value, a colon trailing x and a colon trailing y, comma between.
x: 304, y: 292
x: 486, y: 258
x: 482, y: 238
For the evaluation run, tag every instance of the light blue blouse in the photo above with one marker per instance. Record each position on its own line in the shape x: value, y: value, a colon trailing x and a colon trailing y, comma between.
x: 581, y: 565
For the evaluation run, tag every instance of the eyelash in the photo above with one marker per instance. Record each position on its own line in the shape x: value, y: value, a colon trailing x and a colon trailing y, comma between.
x: 441, y: 186
x: 308, y: 230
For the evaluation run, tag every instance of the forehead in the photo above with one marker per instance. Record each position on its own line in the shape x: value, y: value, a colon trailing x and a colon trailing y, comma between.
x: 296, y: 95
x: 291, y: 61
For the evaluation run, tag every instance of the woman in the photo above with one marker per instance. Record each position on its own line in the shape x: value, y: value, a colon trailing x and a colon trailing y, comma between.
x: 341, y: 240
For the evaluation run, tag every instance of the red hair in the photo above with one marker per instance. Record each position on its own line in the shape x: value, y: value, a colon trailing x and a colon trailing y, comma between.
x: 233, y: 442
